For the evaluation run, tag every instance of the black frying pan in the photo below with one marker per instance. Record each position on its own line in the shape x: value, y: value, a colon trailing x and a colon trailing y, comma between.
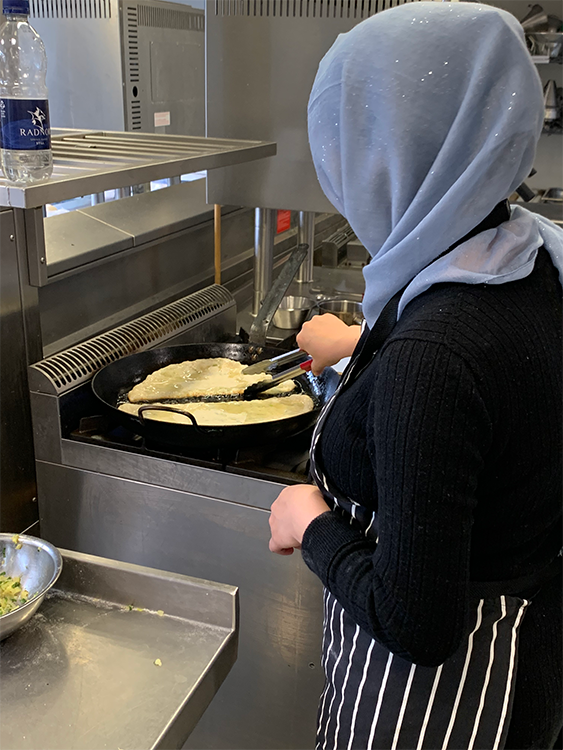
x: 112, y: 382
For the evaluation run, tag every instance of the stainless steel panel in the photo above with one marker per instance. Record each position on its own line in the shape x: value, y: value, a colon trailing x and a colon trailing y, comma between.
x: 85, y: 664
x: 91, y: 162
x: 29, y: 297
x: 306, y: 236
x: 150, y: 216
x: 260, y: 70
x: 270, y: 698
x: 261, y: 63
x: 109, y: 66
x: 254, y: 493
x: 84, y: 72
x: 163, y: 63
x: 75, y: 239
x: 124, y: 286
x: 36, y: 270
x: 264, y: 233
x: 46, y: 420
x: 192, y: 316
x: 17, y: 471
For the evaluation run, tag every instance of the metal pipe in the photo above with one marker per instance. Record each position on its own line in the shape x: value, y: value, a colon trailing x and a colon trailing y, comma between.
x: 264, y: 233
x: 306, y: 236
x: 98, y: 198
x: 217, y: 241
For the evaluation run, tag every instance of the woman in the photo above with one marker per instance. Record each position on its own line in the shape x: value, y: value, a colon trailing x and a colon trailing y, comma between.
x: 435, y: 525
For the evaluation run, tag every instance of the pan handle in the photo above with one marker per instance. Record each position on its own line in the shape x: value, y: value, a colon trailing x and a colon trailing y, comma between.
x: 148, y: 407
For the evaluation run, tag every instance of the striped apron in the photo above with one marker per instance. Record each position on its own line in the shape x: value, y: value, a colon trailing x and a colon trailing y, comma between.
x: 373, y: 699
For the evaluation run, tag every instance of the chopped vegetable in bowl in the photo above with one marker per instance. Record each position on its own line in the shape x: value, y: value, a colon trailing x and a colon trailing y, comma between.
x: 12, y: 595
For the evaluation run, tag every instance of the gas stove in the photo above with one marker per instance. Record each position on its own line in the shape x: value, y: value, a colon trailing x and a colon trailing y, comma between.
x: 287, y: 461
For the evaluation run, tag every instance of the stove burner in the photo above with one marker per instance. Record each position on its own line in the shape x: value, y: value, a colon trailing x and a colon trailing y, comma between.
x: 287, y: 461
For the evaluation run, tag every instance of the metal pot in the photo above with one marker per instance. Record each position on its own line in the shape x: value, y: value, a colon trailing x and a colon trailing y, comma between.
x: 347, y: 310
x: 292, y: 312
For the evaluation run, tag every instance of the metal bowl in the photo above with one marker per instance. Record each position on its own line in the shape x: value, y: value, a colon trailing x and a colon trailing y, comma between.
x: 546, y: 43
x: 39, y: 564
x: 292, y: 312
x: 347, y: 310
x: 553, y: 195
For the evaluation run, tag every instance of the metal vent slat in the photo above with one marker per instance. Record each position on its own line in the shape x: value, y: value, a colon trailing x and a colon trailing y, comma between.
x: 166, y: 18
x: 79, y: 363
x: 77, y: 9
x: 353, y: 9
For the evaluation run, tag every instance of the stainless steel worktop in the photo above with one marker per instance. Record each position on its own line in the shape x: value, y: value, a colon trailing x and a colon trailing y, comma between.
x: 118, y: 656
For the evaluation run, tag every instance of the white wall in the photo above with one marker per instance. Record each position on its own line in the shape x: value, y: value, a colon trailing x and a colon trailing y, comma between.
x: 549, y: 156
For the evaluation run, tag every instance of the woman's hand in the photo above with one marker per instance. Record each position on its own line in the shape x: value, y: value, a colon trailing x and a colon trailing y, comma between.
x: 327, y: 339
x: 292, y: 512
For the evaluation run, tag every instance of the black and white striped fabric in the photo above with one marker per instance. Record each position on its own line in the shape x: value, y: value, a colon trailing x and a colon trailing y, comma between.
x: 374, y: 700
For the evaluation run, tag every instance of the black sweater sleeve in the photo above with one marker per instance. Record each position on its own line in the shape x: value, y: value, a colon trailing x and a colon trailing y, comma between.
x: 430, y: 432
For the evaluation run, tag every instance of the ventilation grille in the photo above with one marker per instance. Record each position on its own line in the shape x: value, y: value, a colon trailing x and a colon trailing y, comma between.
x: 81, y: 362
x: 305, y: 8
x: 70, y: 8
x: 165, y: 18
x: 136, y: 123
x: 132, y: 37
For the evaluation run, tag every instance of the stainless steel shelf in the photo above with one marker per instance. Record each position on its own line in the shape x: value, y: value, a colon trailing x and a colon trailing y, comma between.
x: 87, y: 162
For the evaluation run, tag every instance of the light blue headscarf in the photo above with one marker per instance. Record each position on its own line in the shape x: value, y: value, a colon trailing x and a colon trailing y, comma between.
x: 422, y: 119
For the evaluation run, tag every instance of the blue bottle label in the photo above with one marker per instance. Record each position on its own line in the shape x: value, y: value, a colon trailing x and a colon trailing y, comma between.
x: 24, y: 124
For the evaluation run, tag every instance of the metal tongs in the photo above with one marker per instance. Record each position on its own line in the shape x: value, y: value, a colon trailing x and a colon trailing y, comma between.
x: 266, y: 366
x: 254, y: 390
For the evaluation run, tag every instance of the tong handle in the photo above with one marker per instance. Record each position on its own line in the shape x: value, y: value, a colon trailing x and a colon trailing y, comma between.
x: 293, y: 372
x: 285, y: 358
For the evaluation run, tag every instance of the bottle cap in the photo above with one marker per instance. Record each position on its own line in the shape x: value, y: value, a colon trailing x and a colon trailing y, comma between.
x: 15, y: 7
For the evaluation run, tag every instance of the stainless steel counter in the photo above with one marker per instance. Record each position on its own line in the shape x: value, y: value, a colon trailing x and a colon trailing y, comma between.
x: 118, y: 656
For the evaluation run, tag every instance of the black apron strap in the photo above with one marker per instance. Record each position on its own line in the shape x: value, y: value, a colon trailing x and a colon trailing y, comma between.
x: 525, y: 586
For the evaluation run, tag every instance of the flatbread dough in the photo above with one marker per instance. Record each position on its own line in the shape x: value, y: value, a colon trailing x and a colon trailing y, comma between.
x: 217, y: 376
x: 224, y: 413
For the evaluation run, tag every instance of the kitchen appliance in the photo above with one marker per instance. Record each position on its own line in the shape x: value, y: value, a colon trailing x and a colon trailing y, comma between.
x: 553, y: 195
x: 198, y: 510
x: 545, y: 44
x: 552, y: 110
x: 114, y: 64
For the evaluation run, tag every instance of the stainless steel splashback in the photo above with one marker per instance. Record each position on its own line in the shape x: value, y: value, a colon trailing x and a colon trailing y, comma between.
x: 124, y: 64
x: 262, y: 57
x: 207, y: 314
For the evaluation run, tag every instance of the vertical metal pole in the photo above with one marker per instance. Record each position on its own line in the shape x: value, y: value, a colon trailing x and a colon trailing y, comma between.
x: 306, y: 235
x: 98, y: 198
x: 217, y: 241
x: 264, y: 233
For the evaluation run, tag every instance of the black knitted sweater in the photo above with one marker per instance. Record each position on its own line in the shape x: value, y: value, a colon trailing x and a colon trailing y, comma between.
x: 453, y: 434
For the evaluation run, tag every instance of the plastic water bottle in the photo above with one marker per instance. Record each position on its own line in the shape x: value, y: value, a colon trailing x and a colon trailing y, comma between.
x: 25, y: 134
